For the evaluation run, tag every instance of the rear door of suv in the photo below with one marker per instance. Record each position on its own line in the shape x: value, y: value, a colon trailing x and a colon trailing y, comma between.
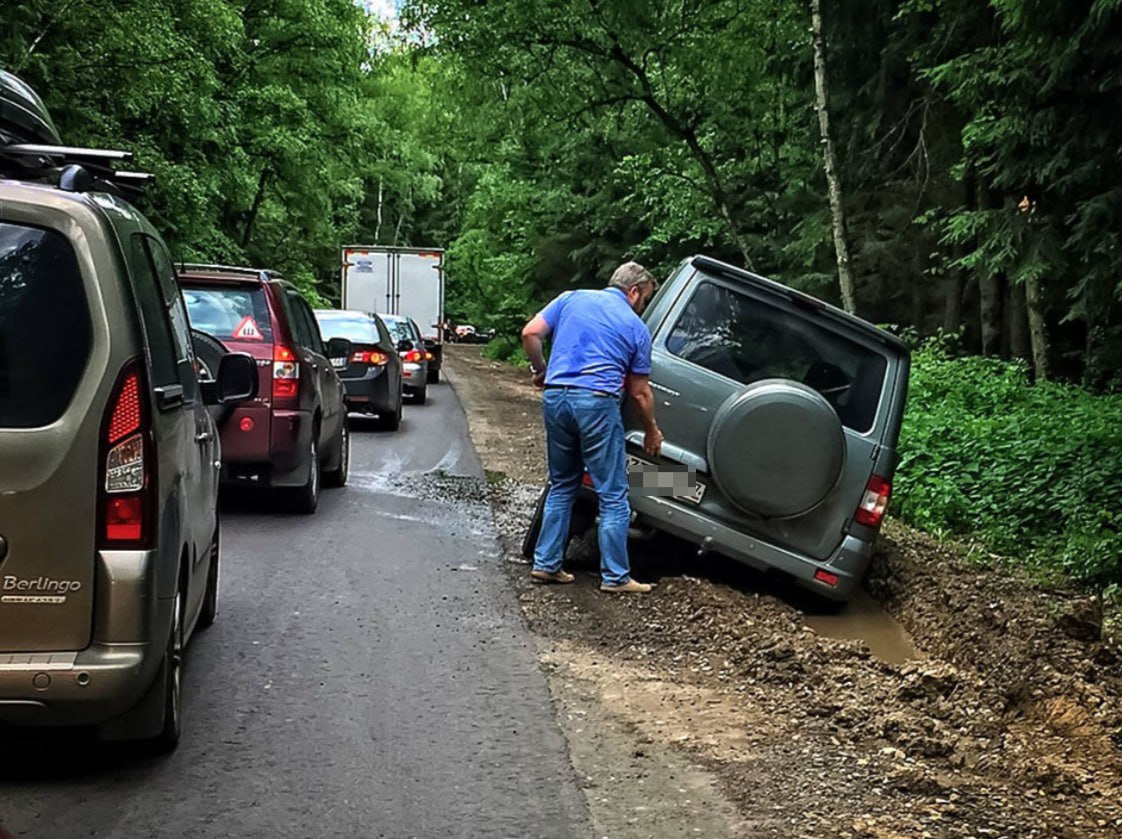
x: 235, y: 310
x: 722, y: 334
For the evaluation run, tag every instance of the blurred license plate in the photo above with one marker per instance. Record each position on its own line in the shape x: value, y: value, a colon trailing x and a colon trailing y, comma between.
x: 339, y: 363
x: 689, y: 494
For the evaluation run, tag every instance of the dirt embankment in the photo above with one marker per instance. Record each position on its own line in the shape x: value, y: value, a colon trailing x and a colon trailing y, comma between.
x: 712, y: 707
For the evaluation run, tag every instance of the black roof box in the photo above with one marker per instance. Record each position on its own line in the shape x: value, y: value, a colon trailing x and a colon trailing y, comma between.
x: 23, y: 117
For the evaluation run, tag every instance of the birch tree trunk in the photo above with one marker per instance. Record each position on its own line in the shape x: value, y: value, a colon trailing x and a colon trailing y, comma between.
x: 378, y: 222
x: 837, y: 211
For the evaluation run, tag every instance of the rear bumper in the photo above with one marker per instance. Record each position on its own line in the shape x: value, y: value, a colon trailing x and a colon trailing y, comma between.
x: 414, y: 377
x: 273, y: 453
x: 848, y: 562
x: 370, y: 392
x: 107, y: 678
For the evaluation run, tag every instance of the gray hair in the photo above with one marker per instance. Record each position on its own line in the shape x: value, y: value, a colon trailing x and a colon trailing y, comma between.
x: 631, y: 275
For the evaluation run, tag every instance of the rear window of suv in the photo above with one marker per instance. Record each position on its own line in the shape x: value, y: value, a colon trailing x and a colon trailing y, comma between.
x: 229, y: 312
x: 45, y: 331
x: 747, y: 340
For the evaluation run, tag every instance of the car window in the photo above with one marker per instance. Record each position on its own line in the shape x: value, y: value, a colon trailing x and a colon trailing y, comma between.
x: 295, y: 323
x: 748, y: 340
x: 45, y: 331
x: 229, y: 313
x: 303, y: 324
x: 177, y: 316
x: 311, y: 327
x: 399, y: 329
x: 384, y: 333
x: 162, y: 361
x: 358, y: 329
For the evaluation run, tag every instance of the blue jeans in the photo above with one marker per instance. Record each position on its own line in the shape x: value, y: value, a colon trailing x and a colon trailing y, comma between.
x: 585, y: 431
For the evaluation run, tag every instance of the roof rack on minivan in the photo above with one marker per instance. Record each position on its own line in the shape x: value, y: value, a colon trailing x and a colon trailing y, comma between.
x: 72, y: 168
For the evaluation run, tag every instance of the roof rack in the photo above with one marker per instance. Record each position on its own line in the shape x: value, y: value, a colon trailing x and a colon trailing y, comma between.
x: 240, y: 270
x: 72, y: 168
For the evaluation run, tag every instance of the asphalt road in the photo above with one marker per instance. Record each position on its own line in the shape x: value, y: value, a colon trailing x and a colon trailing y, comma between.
x: 369, y: 676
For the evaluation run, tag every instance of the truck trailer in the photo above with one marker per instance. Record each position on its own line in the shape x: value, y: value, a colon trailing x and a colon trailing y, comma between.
x: 399, y: 281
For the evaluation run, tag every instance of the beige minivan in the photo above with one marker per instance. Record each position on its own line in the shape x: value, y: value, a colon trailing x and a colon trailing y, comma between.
x: 109, y: 456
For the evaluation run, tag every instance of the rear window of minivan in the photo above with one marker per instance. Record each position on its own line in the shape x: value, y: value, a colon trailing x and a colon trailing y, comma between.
x: 45, y: 330
x: 229, y: 312
x: 747, y: 339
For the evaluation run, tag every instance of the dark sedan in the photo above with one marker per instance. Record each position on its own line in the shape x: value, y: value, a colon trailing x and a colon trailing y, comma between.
x: 372, y: 373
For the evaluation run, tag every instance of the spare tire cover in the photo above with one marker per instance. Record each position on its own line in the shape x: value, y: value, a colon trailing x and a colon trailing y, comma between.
x: 776, y: 448
x: 208, y: 355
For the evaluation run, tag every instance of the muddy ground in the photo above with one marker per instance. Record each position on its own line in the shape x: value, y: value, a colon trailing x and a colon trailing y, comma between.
x: 970, y: 704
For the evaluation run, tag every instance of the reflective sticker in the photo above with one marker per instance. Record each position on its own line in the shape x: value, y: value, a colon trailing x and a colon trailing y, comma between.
x: 248, y: 331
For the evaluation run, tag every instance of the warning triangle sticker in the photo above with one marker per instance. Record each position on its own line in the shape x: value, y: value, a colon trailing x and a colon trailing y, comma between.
x: 247, y: 330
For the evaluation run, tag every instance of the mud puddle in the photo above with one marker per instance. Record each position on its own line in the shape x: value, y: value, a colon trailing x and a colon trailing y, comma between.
x: 863, y: 619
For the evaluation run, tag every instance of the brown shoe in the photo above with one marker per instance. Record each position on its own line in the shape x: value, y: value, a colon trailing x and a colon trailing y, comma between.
x: 537, y: 576
x: 629, y: 586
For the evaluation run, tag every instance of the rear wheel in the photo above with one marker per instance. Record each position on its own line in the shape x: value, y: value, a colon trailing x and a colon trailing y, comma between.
x: 337, y: 477
x: 305, y: 499
x: 580, y: 525
x: 433, y: 377
x: 209, y: 611
x: 392, y: 421
x: 171, y: 677
x: 421, y: 396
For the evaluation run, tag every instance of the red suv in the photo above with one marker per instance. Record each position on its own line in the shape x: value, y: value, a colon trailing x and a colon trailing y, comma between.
x: 295, y: 432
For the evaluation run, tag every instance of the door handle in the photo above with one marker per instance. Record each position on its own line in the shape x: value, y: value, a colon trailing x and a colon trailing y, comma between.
x: 202, y: 436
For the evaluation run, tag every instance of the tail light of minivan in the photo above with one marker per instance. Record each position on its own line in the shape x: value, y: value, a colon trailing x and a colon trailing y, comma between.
x: 874, y: 503
x: 127, y: 483
x: 286, y: 373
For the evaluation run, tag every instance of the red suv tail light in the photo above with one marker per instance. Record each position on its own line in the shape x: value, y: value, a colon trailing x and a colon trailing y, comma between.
x: 874, y: 504
x: 127, y: 483
x: 286, y: 373
x: 414, y: 357
x: 374, y: 358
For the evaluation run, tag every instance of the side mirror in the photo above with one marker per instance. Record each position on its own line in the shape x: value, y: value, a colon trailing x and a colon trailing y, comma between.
x: 236, y: 380
x: 404, y: 345
x: 339, y: 348
x: 339, y: 352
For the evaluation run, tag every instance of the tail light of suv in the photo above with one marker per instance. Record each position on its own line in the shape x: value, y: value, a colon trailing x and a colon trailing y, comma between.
x: 874, y: 503
x: 127, y: 484
x: 286, y: 373
x: 416, y: 357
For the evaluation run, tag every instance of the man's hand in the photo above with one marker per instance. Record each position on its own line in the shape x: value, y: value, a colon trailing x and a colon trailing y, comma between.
x: 533, y: 334
x: 652, y: 441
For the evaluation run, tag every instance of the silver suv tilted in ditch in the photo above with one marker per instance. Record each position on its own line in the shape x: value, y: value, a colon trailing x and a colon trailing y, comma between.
x: 781, y: 414
x: 109, y: 457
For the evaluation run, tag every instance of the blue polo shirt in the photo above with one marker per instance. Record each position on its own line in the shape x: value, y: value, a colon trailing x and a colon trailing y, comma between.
x: 597, y: 339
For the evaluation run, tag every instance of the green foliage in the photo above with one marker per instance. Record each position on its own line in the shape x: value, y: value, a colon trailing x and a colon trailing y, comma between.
x: 1035, y: 471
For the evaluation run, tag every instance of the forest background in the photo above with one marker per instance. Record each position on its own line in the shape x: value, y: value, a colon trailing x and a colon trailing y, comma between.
x: 973, y: 204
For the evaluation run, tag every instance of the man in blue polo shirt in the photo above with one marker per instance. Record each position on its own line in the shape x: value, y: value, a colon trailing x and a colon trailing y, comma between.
x: 598, y: 344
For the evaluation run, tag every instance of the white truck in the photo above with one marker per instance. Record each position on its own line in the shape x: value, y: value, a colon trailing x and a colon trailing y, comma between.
x: 399, y: 281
